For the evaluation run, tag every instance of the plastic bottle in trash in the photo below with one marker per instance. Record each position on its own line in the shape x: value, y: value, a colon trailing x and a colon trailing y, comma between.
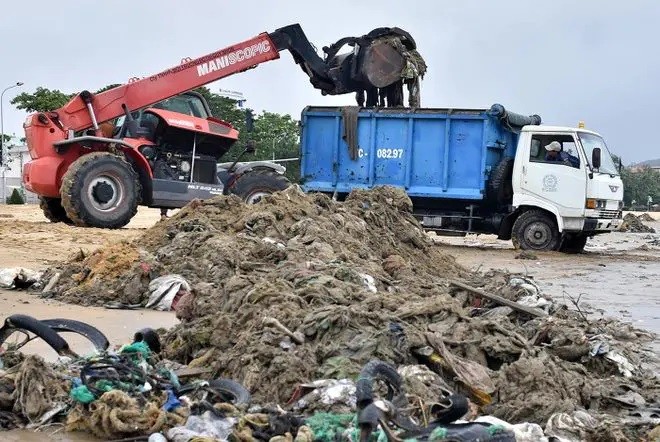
x: 157, y: 437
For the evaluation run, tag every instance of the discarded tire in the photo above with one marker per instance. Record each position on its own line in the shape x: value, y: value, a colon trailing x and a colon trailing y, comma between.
x: 29, y: 324
x: 100, y: 190
x: 254, y: 185
x: 231, y: 391
x: 222, y: 390
x: 535, y: 230
x: 458, y: 407
x: 372, y: 371
x: 53, y: 210
x: 93, y: 334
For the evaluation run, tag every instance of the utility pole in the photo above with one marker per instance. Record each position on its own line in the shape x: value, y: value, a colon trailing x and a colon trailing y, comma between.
x: 3, y: 155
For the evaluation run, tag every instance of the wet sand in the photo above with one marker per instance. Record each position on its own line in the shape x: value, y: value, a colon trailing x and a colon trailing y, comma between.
x: 618, y: 275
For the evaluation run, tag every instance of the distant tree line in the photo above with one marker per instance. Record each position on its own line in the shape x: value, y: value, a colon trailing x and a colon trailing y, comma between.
x: 638, y: 185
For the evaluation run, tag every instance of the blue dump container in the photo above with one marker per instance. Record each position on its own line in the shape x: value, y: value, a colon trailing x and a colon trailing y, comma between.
x: 431, y: 153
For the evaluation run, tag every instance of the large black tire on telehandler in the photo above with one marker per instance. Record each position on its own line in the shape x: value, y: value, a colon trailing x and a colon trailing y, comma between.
x: 255, y: 184
x: 53, y: 210
x: 100, y: 189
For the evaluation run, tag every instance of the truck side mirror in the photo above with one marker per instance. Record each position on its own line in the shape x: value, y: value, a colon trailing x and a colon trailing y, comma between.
x: 249, y: 120
x: 620, y: 166
x: 250, y: 146
x: 595, y: 158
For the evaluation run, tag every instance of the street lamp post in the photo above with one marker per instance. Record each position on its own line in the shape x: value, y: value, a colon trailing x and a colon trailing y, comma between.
x: 3, y: 157
x: 277, y: 139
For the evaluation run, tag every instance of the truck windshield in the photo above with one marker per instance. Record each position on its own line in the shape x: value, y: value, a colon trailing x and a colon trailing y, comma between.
x: 184, y: 104
x: 590, y: 142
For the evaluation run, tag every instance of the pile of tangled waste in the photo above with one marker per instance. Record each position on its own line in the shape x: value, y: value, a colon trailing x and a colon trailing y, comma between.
x: 635, y: 224
x: 339, y: 321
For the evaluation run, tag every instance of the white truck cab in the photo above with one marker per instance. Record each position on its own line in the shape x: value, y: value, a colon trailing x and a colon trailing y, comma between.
x: 566, y: 188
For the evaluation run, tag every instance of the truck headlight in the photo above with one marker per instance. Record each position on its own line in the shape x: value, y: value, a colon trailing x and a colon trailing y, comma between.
x: 593, y: 203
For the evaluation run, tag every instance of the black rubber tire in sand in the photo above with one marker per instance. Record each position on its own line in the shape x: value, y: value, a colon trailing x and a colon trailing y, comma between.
x: 372, y: 371
x: 535, y: 230
x: 100, y: 190
x: 253, y: 185
x: 53, y: 210
x: 222, y: 389
x: 43, y: 331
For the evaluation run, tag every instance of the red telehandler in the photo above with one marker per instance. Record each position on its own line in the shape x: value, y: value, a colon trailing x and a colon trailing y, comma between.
x: 154, y: 142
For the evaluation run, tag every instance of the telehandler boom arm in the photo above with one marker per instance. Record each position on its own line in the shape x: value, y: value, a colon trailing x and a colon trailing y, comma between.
x: 375, y: 64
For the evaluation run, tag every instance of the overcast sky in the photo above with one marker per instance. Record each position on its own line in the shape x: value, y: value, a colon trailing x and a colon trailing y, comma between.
x: 592, y: 60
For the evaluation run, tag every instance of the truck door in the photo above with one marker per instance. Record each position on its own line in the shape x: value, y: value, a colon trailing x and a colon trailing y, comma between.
x: 556, y: 178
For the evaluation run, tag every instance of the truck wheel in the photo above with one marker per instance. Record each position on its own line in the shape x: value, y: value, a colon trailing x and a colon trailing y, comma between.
x: 501, y: 186
x: 255, y: 184
x: 574, y: 244
x: 100, y: 190
x: 535, y: 230
x: 53, y: 210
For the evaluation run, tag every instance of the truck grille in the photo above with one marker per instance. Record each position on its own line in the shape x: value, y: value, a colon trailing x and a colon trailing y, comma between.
x: 609, y: 214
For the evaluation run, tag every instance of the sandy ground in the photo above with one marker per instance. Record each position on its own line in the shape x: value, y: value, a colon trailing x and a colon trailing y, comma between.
x: 28, y: 240
x: 619, y: 275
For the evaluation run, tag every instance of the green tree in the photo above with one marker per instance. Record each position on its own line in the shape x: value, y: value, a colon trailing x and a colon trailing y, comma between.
x: 45, y: 100
x: 41, y: 100
x: 274, y: 134
x: 15, y: 198
x: 638, y: 185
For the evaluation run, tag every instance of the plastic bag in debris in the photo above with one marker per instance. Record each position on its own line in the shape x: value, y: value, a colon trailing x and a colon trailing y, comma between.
x: 570, y: 427
x: 535, y: 301
x: 622, y: 363
x: 533, y: 297
x: 525, y: 432
x: 526, y: 284
x: 327, y: 394
x: 207, y: 425
x: 369, y: 282
x: 163, y: 291
x: 18, y: 278
x: 601, y: 348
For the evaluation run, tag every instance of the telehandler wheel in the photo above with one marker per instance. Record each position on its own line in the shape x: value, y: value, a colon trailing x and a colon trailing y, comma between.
x: 100, y: 190
x: 53, y: 210
x: 255, y: 184
x: 535, y: 230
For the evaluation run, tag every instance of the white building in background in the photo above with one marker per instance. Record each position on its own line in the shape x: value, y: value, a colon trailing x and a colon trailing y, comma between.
x: 10, y: 175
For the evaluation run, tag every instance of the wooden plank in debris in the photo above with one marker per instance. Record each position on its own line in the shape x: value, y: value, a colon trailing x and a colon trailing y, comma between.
x: 500, y: 300
x: 192, y: 371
